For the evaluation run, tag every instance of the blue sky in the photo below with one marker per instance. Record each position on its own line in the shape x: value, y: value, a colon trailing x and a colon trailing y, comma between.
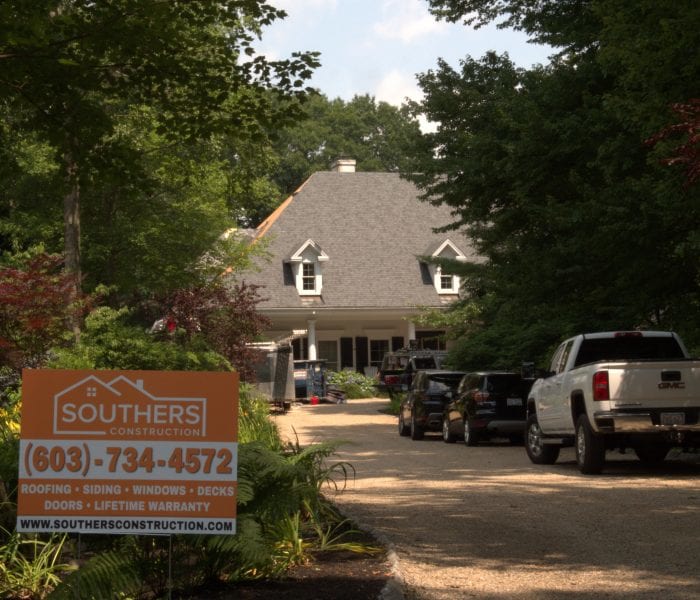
x: 376, y: 47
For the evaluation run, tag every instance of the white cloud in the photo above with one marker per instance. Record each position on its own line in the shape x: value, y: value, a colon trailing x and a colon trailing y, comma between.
x: 395, y: 87
x: 407, y: 20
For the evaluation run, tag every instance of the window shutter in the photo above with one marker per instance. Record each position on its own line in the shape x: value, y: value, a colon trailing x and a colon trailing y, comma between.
x: 346, y: 352
x: 361, y: 353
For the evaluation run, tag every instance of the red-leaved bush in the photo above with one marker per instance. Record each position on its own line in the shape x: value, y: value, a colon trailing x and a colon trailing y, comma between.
x: 225, y: 316
x: 35, y: 309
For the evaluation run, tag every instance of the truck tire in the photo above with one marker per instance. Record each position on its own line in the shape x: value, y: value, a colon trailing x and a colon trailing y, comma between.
x: 416, y: 430
x: 538, y: 452
x: 447, y: 436
x: 652, y: 453
x: 404, y: 429
x: 471, y: 437
x: 590, y: 448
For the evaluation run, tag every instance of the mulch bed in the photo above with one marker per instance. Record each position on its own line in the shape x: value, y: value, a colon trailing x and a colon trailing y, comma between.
x: 338, y: 575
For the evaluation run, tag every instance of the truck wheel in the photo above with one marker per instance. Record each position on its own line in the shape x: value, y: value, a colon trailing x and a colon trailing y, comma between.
x: 590, y: 448
x: 404, y: 429
x: 471, y: 438
x: 416, y: 429
x: 652, y: 453
x: 447, y: 436
x: 538, y: 452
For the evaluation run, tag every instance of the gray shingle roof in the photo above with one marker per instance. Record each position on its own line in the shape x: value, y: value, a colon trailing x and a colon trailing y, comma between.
x: 373, y: 227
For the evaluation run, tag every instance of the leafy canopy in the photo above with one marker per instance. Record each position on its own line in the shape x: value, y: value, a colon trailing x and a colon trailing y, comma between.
x: 581, y: 224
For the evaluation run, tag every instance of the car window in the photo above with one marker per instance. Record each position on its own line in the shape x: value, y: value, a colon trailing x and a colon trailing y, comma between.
x: 463, y: 384
x: 427, y: 362
x: 556, y: 358
x: 507, y: 384
x: 565, y: 356
x: 417, y: 383
x: 628, y: 348
x: 439, y: 382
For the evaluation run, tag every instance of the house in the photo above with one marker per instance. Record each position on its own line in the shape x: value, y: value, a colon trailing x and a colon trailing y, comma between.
x: 348, y: 269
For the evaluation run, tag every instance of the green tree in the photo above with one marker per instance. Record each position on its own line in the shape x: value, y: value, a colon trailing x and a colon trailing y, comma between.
x: 68, y: 68
x: 377, y: 135
x: 580, y: 224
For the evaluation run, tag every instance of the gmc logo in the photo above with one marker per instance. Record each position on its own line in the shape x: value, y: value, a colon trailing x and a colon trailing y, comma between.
x: 672, y: 385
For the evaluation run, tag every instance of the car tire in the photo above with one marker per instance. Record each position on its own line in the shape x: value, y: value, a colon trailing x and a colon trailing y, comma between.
x: 652, y: 453
x: 590, y: 448
x: 447, y: 436
x: 471, y: 438
x: 416, y: 430
x: 538, y: 452
x: 404, y: 429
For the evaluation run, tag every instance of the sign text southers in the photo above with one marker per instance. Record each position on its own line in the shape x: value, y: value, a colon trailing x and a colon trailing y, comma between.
x: 125, y: 408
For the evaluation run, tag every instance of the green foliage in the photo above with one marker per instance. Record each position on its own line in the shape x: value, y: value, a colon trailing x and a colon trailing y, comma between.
x: 30, y: 567
x: 376, y: 134
x: 123, y: 141
x: 254, y: 423
x: 111, y: 342
x: 354, y: 384
x: 10, y: 409
x: 395, y: 400
x: 581, y: 224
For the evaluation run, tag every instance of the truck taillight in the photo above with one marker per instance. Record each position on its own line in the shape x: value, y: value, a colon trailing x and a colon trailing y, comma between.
x: 601, y: 386
x: 391, y: 379
x: 481, y: 397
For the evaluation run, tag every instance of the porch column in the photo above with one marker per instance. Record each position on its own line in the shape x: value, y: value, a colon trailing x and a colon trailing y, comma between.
x: 311, y: 335
x: 411, y: 332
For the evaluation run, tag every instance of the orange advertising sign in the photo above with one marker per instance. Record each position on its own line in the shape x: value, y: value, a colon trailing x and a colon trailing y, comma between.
x: 138, y: 452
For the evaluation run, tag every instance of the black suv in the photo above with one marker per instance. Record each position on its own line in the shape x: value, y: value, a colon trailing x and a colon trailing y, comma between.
x: 398, y: 367
x: 425, y: 402
x: 487, y: 404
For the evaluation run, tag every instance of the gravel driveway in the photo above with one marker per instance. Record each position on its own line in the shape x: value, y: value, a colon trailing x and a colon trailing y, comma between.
x: 484, y: 522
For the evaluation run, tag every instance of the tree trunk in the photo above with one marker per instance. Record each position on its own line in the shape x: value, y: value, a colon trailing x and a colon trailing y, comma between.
x: 71, y: 233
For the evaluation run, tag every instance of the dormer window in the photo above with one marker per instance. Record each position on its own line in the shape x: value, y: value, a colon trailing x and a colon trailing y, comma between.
x: 444, y: 281
x: 449, y: 284
x: 306, y: 263
x: 308, y: 277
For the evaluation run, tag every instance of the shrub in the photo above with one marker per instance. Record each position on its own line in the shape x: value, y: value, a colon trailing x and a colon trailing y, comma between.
x: 109, y: 341
x: 254, y: 423
x: 36, y: 305
x: 354, y: 384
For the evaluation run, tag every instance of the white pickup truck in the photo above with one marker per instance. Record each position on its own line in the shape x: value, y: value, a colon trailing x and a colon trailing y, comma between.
x: 626, y: 390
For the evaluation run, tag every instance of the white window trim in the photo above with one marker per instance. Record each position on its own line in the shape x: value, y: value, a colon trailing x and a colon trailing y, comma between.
x: 299, y: 278
x: 455, y: 282
x: 308, y: 253
x: 454, y: 253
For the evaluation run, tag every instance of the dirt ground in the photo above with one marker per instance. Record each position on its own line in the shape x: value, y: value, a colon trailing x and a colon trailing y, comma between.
x: 486, y: 523
x: 331, y: 576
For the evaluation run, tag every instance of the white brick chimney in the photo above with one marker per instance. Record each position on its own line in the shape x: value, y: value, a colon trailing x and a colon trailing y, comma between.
x: 344, y: 165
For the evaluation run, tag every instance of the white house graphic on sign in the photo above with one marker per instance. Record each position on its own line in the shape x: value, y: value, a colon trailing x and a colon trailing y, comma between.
x: 94, y: 407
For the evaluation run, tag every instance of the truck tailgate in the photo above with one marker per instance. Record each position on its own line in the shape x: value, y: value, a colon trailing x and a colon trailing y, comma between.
x: 654, y: 384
